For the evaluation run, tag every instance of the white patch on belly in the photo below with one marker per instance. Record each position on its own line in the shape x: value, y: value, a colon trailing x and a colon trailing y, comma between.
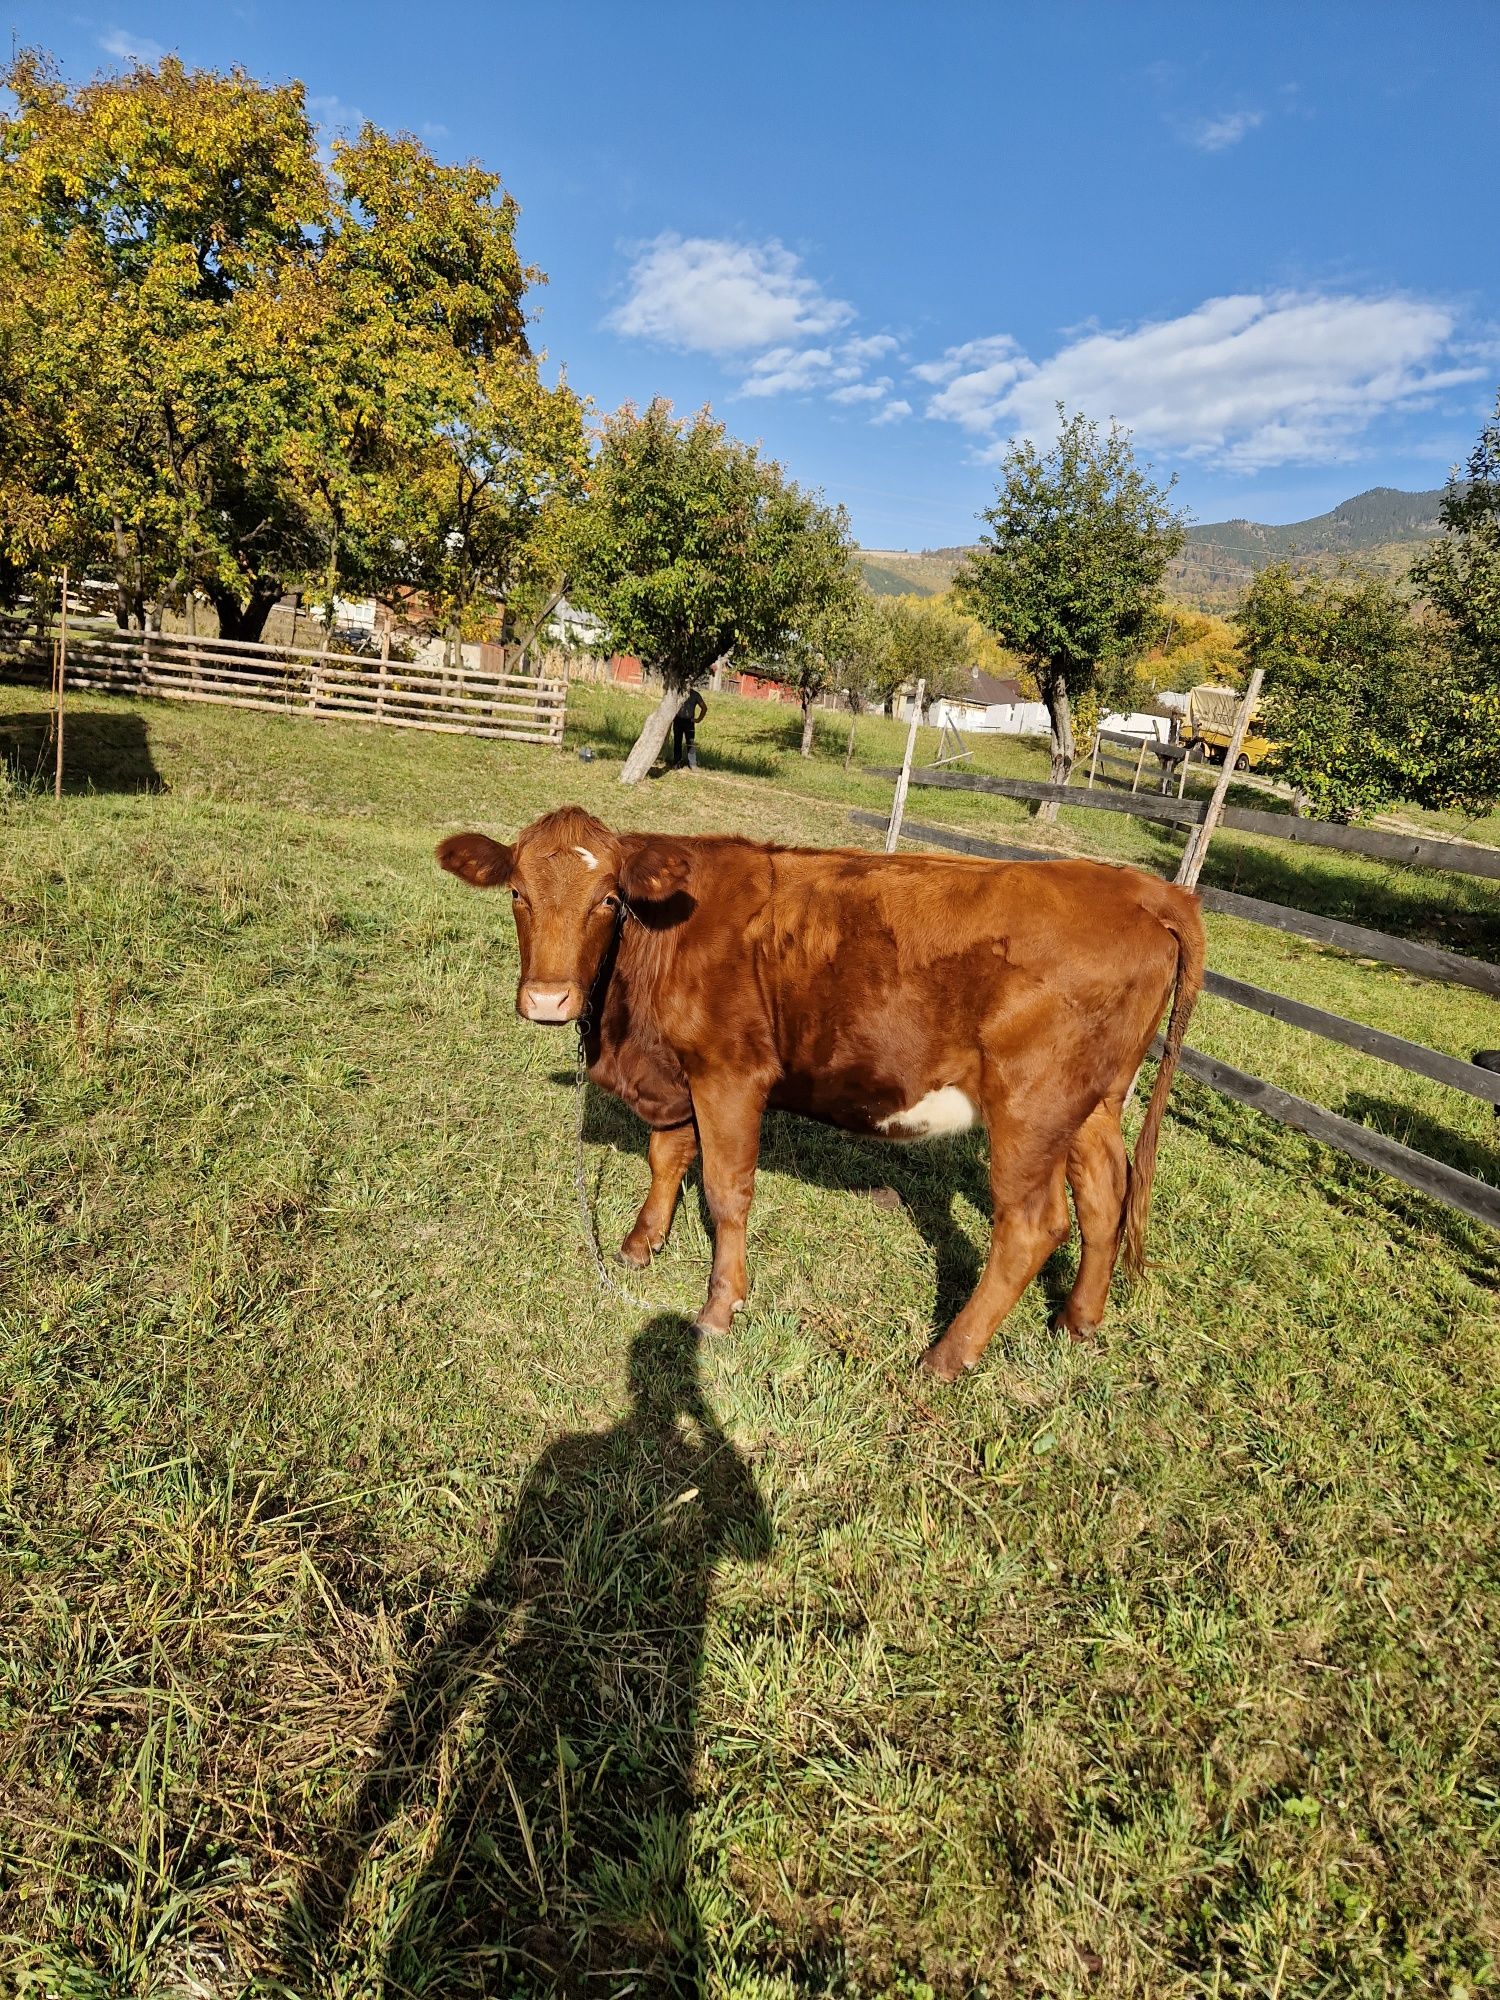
x: 589, y: 860
x: 934, y: 1116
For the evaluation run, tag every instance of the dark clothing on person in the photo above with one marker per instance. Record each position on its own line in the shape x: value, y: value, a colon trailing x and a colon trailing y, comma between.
x: 684, y: 722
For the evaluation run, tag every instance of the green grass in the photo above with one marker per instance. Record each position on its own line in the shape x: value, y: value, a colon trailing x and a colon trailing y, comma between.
x: 386, y: 1611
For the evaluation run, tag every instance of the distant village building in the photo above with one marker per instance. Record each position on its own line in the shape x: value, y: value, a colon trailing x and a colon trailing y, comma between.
x: 991, y: 705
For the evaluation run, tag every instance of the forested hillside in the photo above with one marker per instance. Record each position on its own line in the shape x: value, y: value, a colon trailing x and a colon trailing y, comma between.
x: 1382, y: 529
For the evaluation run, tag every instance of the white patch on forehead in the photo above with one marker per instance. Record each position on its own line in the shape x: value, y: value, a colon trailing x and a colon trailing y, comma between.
x: 935, y: 1116
x: 589, y: 860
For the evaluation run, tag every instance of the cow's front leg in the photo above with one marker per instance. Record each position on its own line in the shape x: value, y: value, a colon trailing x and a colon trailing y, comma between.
x: 671, y: 1153
x: 728, y: 1113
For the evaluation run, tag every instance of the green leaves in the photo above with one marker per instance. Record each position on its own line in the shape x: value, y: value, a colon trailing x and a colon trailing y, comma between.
x: 228, y: 368
x: 693, y: 546
x: 1078, y: 542
x: 1369, y: 699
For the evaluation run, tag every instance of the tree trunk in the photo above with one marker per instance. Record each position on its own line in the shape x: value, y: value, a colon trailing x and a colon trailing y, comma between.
x: 807, y: 725
x: 1055, y: 694
x: 243, y: 621
x: 654, y: 732
x: 128, y: 598
x: 853, y: 725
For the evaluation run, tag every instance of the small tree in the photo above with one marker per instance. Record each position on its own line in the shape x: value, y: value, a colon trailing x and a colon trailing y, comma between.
x: 691, y: 547
x: 925, y: 640
x: 1454, y: 755
x: 1071, y: 567
x: 1341, y: 661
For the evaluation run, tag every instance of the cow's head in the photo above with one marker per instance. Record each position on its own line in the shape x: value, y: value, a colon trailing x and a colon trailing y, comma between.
x: 570, y: 879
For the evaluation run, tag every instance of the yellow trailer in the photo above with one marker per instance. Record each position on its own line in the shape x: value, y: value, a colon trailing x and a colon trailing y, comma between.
x: 1210, y: 721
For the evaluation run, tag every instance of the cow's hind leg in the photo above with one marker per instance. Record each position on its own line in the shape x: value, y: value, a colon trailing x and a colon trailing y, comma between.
x: 1097, y: 1174
x: 671, y: 1152
x: 1031, y: 1218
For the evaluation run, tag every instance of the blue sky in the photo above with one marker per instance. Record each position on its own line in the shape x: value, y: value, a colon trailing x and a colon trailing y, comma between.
x: 884, y: 238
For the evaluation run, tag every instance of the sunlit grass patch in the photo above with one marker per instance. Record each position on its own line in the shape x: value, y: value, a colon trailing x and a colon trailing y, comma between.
x: 1166, y: 1665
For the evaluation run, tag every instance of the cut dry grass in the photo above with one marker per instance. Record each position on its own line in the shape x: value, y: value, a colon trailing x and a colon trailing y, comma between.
x: 387, y: 1612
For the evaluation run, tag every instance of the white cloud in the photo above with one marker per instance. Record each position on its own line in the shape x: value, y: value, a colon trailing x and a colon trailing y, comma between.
x: 713, y: 296
x: 893, y: 412
x: 334, y: 114
x: 130, y: 48
x: 861, y: 392
x: 1214, y: 135
x: 973, y: 356
x: 432, y: 130
x: 782, y: 371
x: 869, y: 346
x: 1246, y: 381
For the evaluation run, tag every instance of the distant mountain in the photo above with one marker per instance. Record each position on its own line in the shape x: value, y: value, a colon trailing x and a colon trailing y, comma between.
x: 897, y: 572
x: 1382, y: 529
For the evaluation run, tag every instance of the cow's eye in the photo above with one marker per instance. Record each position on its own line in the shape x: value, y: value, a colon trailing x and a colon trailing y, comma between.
x: 516, y: 896
x: 610, y: 903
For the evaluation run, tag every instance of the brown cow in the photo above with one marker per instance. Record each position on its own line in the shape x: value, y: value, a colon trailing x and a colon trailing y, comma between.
x: 900, y: 997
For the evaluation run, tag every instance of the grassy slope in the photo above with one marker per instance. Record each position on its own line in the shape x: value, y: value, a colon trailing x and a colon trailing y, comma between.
x: 1166, y: 1667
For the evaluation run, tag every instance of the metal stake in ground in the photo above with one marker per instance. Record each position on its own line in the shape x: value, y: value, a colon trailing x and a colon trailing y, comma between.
x: 898, y: 807
x: 1196, y: 852
x: 61, y: 679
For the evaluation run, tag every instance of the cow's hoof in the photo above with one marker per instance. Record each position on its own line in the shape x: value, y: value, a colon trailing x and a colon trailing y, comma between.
x: 942, y: 1363
x: 634, y: 1253
x: 714, y: 1319
x: 1081, y: 1336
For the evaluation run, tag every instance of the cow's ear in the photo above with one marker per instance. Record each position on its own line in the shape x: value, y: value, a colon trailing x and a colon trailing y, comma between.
x: 476, y: 859
x: 651, y: 871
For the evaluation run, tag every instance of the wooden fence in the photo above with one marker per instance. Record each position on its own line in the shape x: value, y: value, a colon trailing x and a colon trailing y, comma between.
x: 289, y: 680
x: 1435, y: 1178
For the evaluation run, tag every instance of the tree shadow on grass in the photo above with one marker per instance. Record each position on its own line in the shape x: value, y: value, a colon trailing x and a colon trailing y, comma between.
x: 1425, y: 1135
x: 758, y: 753
x: 925, y: 1180
x: 101, y: 753
x: 1408, y: 1218
x: 524, y: 1826
x: 1429, y: 906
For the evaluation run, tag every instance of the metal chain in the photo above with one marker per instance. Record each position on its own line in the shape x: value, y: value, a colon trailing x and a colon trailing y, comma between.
x: 607, y: 1280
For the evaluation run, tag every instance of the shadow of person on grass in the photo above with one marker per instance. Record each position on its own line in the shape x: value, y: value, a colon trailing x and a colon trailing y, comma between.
x: 524, y: 1826
x: 101, y: 753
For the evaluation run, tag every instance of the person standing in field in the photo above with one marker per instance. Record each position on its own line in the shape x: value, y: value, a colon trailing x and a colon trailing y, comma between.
x: 684, y: 723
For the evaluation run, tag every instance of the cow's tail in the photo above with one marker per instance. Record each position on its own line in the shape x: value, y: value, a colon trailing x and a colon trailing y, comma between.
x: 1181, y: 918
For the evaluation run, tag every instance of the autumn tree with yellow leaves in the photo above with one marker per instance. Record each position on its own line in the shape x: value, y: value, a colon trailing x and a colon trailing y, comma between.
x: 229, y: 368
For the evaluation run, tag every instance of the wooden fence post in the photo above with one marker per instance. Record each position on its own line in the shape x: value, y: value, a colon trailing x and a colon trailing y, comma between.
x: 898, y: 806
x: 1196, y: 852
x: 61, y: 679
x: 385, y: 673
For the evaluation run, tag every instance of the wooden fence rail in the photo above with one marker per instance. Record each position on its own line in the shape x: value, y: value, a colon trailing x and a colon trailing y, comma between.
x: 1459, y: 1190
x: 1372, y: 1149
x: 1412, y: 850
x: 298, y: 680
x: 1450, y: 968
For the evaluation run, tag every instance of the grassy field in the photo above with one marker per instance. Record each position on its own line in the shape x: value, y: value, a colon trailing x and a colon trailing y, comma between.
x: 386, y: 1611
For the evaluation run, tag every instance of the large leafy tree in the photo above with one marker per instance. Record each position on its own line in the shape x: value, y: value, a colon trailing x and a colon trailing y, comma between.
x: 693, y: 547
x: 1069, y: 570
x: 1342, y: 665
x: 234, y: 370
x: 158, y: 215
x: 1454, y: 755
x: 433, y: 388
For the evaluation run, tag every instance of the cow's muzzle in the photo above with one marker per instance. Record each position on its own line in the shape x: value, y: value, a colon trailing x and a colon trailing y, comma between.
x: 547, y: 1000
